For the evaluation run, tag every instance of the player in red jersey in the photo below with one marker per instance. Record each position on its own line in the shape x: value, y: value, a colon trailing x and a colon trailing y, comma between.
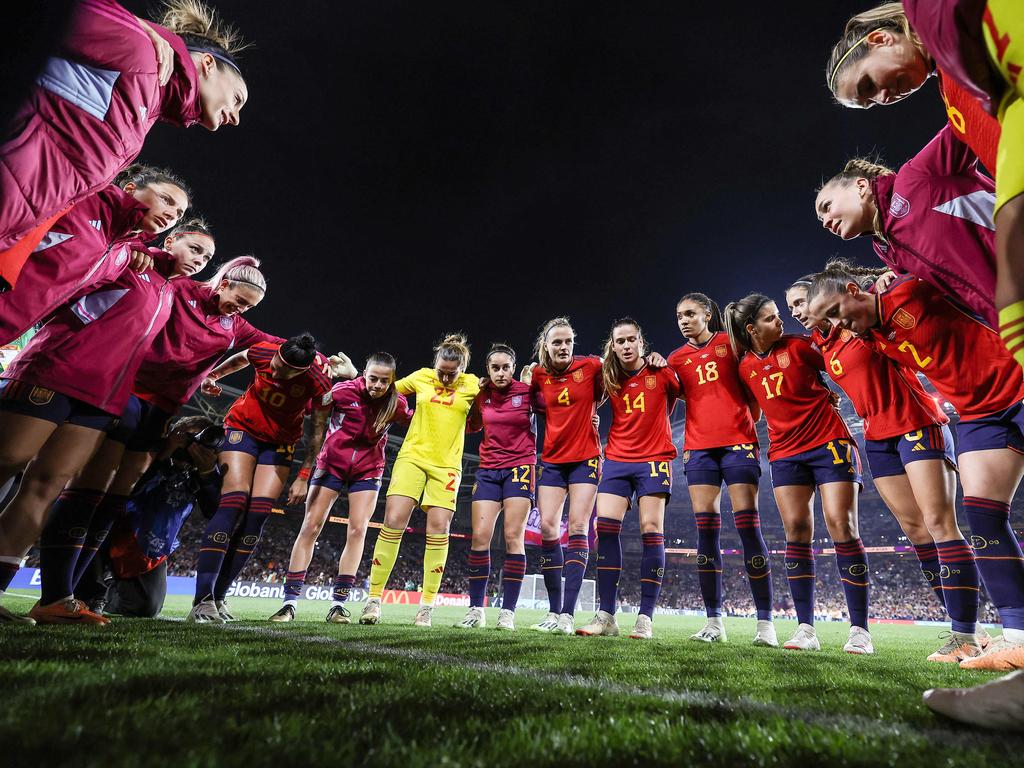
x: 638, y: 463
x: 809, y: 448
x: 914, y: 324
x: 262, y: 428
x: 570, y: 463
x: 720, y: 444
x: 351, y: 458
x: 909, y: 449
x: 505, y: 481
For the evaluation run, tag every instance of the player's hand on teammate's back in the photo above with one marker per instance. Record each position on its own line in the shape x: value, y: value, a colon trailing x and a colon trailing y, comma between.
x: 656, y: 361
x: 884, y: 280
x: 164, y: 53
x: 140, y: 261
x: 526, y: 376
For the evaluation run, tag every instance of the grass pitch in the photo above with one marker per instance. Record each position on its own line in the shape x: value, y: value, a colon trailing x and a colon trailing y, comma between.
x: 158, y: 692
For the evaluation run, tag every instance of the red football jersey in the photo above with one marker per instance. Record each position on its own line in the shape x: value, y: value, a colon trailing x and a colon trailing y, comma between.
x: 889, y: 398
x: 787, y: 383
x: 271, y: 409
x: 960, y: 355
x: 570, y: 401
x: 717, y: 411
x: 640, y: 429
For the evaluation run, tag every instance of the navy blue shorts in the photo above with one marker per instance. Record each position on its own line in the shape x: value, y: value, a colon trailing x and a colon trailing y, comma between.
x: 837, y: 461
x: 151, y: 429
x: 733, y: 463
x: 508, y: 483
x: 128, y: 423
x: 1004, y: 429
x: 338, y: 484
x: 887, y: 458
x: 564, y: 475
x: 276, y: 454
x: 640, y: 478
x: 42, y: 403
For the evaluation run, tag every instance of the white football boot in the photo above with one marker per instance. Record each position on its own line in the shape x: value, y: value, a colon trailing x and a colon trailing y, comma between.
x: 765, y: 634
x: 804, y: 639
x: 603, y: 623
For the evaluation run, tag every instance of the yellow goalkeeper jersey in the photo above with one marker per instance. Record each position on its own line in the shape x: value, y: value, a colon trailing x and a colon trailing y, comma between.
x: 438, y: 430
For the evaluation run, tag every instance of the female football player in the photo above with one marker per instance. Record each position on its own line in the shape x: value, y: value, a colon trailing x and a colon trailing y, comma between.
x: 93, y: 243
x: 570, y: 465
x: 638, y: 464
x: 505, y: 481
x: 909, y: 450
x: 95, y: 102
x: 351, y: 459
x: 427, y: 471
x: 58, y: 399
x: 810, y: 449
x: 915, y: 325
x: 262, y: 428
x: 204, y: 323
x: 889, y: 51
x: 932, y: 218
x: 720, y: 444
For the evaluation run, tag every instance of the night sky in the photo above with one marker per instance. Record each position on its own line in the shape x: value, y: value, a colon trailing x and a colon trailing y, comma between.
x: 409, y: 168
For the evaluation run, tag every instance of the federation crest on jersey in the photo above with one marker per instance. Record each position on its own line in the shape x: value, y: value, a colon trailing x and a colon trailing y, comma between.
x: 845, y: 334
x: 122, y: 256
x: 782, y: 359
x: 226, y: 322
x: 577, y: 376
x: 517, y: 401
x: 40, y: 396
x: 650, y: 382
x: 899, y: 206
x: 904, y: 319
x: 722, y: 350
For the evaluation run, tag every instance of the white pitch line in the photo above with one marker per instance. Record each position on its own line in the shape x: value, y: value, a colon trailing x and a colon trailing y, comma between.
x: 843, y: 722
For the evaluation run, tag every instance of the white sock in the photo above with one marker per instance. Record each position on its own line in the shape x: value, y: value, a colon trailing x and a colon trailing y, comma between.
x: 1014, y: 635
x: 764, y: 623
x: 337, y: 604
x: 292, y: 602
x: 966, y: 637
x: 716, y: 622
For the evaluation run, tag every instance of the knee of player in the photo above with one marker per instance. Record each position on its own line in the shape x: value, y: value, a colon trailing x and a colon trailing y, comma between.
x: 356, y: 531
x: 44, y: 483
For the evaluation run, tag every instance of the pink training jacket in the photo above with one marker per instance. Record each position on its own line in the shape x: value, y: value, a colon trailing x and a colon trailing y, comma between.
x: 937, y: 221
x: 91, y: 349
x: 194, y: 340
x: 951, y: 31
x: 88, y: 115
x: 88, y: 246
x: 353, y: 449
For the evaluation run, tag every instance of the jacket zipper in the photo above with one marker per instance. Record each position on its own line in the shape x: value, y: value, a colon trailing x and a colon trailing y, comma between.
x: 135, y: 349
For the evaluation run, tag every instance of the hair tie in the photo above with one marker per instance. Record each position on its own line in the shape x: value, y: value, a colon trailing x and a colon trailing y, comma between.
x: 832, y: 79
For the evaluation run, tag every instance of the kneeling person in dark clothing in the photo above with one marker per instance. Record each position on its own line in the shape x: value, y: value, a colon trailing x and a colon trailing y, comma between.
x: 183, y: 475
